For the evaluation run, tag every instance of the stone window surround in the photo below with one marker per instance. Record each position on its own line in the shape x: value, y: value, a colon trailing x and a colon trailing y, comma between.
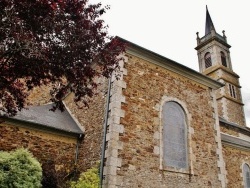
x: 189, y: 130
x: 242, y: 173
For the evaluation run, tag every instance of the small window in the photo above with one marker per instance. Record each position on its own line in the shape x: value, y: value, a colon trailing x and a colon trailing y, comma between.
x: 232, y: 91
x: 246, y: 176
x: 208, y: 61
x: 174, y: 136
x: 223, y: 59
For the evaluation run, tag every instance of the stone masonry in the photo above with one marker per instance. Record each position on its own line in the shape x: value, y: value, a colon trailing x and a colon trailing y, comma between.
x: 137, y: 147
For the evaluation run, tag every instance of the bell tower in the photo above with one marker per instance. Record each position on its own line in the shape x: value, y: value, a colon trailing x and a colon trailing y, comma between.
x: 215, y: 62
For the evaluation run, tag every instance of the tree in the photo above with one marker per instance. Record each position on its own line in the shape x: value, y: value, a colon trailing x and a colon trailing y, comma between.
x: 88, y: 179
x: 19, y: 169
x: 59, y: 42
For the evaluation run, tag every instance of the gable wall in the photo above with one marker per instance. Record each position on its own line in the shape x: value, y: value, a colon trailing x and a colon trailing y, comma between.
x: 146, y: 86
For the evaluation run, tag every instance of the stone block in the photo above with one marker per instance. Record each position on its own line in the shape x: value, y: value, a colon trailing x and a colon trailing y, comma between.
x: 120, y: 83
x: 156, y: 150
x: 115, y: 104
x: 117, y: 97
x: 116, y: 128
x: 113, y: 161
x: 116, y: 90
x: 111, y: 170
x: 115, y: 144
x: 131, y: 167
x: 111, y: 152
x: 117, y: 112
x: 114, y: 120
x: 112, y: 136
x: 125, y: 71
x: 157, y: 135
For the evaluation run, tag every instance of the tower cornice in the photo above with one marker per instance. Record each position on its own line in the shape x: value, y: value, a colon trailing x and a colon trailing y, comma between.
x: 211, y: 37
x: 217, y: 67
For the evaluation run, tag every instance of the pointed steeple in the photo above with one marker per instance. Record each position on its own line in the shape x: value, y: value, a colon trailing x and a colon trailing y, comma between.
x: 209, y: 23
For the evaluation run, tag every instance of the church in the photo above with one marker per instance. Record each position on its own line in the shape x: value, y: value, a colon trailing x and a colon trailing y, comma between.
x: 161, y: 124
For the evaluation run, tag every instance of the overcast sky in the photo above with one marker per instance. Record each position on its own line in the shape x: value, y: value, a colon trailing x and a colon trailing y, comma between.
x: 168, y: 27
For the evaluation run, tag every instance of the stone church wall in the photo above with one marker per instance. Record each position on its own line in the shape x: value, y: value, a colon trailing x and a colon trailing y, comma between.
x: 235, y: 155
x: 62, y: 149
x: 236, y: 113
x: 234, y: 159
x: 49, y: 148
x: 92, y: 120
x: 146, y: 86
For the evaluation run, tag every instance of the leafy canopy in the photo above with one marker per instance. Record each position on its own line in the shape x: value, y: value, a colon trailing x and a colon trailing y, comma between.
x: 88, y: 179
x: 59, y: 42
x: 19, y: 169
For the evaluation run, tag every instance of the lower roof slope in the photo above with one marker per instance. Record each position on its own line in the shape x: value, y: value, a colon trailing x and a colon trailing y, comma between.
x: 44, y: 117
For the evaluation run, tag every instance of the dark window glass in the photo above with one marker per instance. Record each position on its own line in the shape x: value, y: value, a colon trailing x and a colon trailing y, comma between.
x: 232, y: 91
x: 223, y: 59
x: 208, y: 61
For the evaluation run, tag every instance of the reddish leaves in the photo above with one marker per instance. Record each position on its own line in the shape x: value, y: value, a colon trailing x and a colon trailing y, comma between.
x: 50, y: 41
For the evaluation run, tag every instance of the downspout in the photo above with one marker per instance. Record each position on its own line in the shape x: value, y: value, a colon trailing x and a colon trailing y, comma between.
x: 105, y: 132
x: 79, y: 138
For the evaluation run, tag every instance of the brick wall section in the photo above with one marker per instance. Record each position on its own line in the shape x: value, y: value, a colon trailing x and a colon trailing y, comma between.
x: 44, y: 146
x: 146, y: 85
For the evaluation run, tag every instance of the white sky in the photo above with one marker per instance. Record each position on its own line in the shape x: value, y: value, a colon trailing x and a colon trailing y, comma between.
x: 168, y: 27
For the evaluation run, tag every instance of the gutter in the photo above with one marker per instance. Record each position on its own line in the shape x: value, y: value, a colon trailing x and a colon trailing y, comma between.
x: 105, y: 133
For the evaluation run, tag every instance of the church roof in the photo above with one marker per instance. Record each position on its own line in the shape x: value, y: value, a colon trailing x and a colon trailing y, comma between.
x: 209, y: 23
x: 47, y: 119
x: 169, y: 64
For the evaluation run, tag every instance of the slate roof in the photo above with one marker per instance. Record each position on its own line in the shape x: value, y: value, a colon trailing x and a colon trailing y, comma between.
x: 45, y: 118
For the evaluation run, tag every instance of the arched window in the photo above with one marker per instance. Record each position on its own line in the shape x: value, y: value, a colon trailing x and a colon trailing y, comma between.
x: 208, y: 61
x: 174, y: 136
x: 223, y: 59
x: 246, y: 176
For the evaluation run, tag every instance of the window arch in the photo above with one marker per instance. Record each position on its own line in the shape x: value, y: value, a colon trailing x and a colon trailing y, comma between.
x: 174, y: 136
x: 223, y: 59
x: 246, y: 175
x: 208, y: 60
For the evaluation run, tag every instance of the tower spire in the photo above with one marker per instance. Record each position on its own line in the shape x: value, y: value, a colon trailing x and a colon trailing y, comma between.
x: 215, y: 62
x: 209, y: 23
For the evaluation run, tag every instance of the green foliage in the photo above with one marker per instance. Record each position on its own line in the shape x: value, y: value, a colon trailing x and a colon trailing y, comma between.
x: 19, y: 169
x: 88, y: 179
